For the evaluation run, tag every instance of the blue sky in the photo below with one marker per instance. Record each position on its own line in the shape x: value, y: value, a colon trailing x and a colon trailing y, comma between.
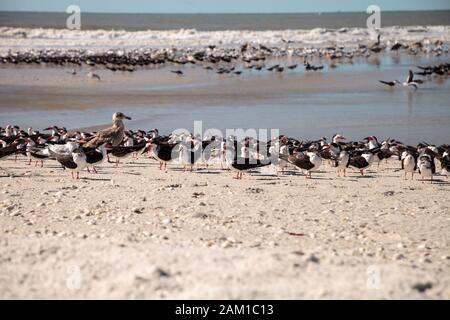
x: 221, y: 6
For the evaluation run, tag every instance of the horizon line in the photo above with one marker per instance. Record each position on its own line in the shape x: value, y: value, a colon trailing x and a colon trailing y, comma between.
x: 210, y: 13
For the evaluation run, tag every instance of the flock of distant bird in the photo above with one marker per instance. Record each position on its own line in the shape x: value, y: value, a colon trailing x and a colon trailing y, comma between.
x: 275, y: 68
x: 80, y: 150
x: 441, y: 70
x: 221, y: 60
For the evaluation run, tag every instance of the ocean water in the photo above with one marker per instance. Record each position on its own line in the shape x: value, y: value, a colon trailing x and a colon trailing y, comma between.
x: 348, y: 100
x: 221, y: 22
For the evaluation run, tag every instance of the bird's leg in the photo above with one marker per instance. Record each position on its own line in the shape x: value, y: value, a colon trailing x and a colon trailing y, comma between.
x: 72, y: 174
x: 89, y: 171
x: 35, y: 164
x: 15, y: 158
x: 405, y: 176
x: 78, y: 175
x: 95, y: 170
x: 412, y: 175
x: 362, y: 172
x: 42, y: 163
x: 29, y: 162
x: 117, y: 162
x: 431, y: 180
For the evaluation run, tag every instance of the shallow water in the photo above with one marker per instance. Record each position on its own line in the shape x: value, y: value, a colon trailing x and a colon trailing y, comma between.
x: 348, y: 100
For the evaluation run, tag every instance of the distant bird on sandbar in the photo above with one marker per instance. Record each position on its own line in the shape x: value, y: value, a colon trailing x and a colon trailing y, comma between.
x: 93, y: 76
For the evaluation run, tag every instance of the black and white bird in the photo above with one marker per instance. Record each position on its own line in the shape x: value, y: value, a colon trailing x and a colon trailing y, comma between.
x: 426, y: 167
x: 410, y: 81
x: 409, y: 163
x: 341, y: 162
x: 445, y: 164
x: 240, y: 163
x: 74, y: 161
x: 122, y: 152
x: 309, y: 161
x: 163, y: 149
x: 390, y: 83
x: 95, y: 156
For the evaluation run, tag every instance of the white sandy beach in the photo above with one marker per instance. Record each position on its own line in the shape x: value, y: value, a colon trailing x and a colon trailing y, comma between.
x: 138, y: 232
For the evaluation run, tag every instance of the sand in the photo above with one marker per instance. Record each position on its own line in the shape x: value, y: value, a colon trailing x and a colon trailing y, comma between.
x: 138, y: 232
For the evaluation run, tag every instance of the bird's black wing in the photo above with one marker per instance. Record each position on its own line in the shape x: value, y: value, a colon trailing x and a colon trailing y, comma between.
x: 410, y: 77
x: 301, y: 161
x: 358, y: 162
x: 92, y: 155
x: 66, y: 160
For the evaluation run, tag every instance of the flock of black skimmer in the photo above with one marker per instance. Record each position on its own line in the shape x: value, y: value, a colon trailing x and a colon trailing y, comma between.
x: 442, y: 69
x: 77, y: 151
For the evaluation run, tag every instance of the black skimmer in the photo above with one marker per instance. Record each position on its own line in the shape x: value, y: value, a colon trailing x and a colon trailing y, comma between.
x: 410, y: 81
x: 35, y: 153
x: 12, y: 148
x: 120, y: 152
x: 112, y: 135
x: 445, y: 163
x: 426, y: 167
x: 163, y: 149
x: 390, y: 83
x: 396, y: 46
x: 292, y: 67
x: 95, y: 156
x: 241, y: 164
x: 309, y: 161
x: 93, y: 76
x: 362, y: 159
x: 309, y: 66
x: 359, y: 162
x: 273, y: 67
x: 409, y: 163
x: 190, y: 151
x: 341, y: 162
x: 177, y: 72
x: 283, y: 150
x: 74, y: 161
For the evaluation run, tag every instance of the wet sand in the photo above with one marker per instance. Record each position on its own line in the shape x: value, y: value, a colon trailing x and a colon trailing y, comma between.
x: 137, y: 232
x: 347, y: 99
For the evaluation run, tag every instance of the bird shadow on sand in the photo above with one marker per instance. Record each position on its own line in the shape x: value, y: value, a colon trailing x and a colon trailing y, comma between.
x: 435, y: 181
x: 95, y: 179
x: 367, y: 176
x: 133, y: 173
x: 207, y: 172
